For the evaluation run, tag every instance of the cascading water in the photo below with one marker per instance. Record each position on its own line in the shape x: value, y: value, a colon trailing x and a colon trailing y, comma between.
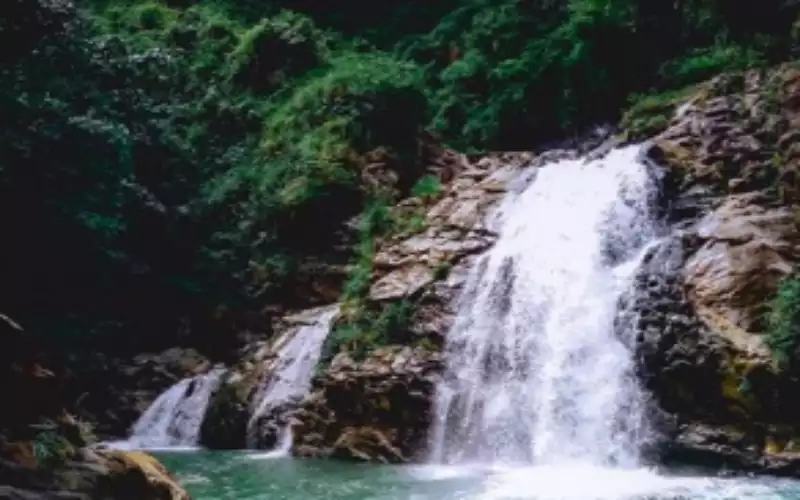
x: 174, y: 418
x: 291, y: 377
x: 537, y: 373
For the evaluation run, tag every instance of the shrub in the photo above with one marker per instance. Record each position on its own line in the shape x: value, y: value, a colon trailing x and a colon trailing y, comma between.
x: 51, y: 447
x: 783, y: 322
x: 650, y: 114
x: 367, y: 329
x: 701, y: 64
x: 428, y: 186
x: 276, y: 50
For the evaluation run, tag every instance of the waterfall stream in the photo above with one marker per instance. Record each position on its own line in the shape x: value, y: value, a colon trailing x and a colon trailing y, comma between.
x: 537, y: 373
x: 290, y: 378
x: 174, y: 418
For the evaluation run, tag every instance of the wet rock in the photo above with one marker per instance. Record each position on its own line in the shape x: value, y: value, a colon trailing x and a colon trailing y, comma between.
x: 712, y: 447
x: 228, y: 422
x: 728, y: 449
x: 727, y: 165
x: 224, y: 425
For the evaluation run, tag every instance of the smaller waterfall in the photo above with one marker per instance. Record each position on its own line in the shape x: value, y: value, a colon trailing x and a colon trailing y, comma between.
x: 174, y: 418
x: 290, y: 379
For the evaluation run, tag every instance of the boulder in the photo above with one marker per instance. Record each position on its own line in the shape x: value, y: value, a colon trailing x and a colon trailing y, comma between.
x: 129, y: 474
x: 87, y: 474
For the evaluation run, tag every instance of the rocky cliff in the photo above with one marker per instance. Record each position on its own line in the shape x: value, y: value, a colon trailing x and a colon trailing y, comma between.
x: 730, y: 159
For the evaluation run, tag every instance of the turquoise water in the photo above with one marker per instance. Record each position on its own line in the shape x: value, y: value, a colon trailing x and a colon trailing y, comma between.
x: 240, y: 476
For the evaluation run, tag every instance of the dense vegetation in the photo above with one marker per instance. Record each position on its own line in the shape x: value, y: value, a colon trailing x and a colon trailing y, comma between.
x: 172, y: 160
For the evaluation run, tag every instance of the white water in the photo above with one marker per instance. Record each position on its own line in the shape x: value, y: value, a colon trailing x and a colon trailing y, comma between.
x: 173, y: 420
x: 291, y: 377
x: 537, y: 374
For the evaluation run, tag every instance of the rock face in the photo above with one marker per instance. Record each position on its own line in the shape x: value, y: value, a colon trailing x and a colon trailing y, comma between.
x: 375, y: 410
x: 379, y: 409
x: 730, y: 158
x: 432, y: 265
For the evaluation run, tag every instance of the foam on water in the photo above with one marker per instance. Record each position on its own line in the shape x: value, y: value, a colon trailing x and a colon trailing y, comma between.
x: 603, y: 483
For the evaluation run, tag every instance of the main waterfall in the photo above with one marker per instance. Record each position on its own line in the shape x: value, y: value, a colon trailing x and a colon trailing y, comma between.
x: 537, y: 372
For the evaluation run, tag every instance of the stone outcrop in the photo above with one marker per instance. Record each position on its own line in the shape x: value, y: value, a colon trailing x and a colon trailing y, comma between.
x: 85, y: 474
x: 375, y: 410
x: 730, y: 158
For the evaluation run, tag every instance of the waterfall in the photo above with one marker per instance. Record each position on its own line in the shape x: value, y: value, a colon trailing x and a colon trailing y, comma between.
x: 536, y: 371
x: 290, y: 378
x: 174, y: 418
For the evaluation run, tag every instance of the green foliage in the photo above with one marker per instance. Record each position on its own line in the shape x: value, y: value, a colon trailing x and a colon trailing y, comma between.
x: 51, y: 447
x: 358, y: 280
x: 650, y: 114
x: 368, y: 329
x: 305, y: 171
x: 276, y: 50
x: 427, y: 186
x: 409, y: 224
x: 441, y: 270
x: 190, y: 146
x: 503, y: 73
x: 704, y: 63
x: 185, y: 155
x: 783, y: 322
x: 360, y: 102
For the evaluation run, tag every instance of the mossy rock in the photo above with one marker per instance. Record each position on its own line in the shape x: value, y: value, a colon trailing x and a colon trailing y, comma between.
x: 651, y: 114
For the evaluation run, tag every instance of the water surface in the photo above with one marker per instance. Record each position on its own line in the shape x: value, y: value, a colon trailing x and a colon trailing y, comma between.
x: 241, y: 476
